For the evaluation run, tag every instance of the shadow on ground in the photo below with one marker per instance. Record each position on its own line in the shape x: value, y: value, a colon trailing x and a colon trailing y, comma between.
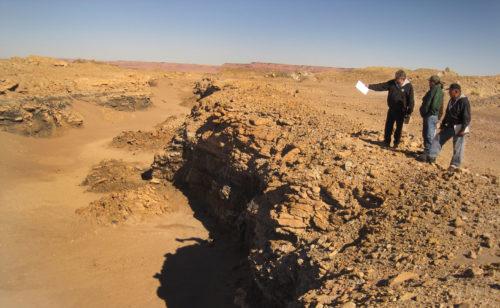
x: 206, y: 273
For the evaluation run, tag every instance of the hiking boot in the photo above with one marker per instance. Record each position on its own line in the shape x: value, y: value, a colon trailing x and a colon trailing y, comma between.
x: 423, y: 157
x: 453, y: 168
x: 431, y: 160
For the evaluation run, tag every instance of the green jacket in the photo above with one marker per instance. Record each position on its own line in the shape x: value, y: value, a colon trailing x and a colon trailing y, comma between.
x: 432, y: 102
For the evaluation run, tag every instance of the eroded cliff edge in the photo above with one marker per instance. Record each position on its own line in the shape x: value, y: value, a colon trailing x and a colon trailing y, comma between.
x: 328, y: 216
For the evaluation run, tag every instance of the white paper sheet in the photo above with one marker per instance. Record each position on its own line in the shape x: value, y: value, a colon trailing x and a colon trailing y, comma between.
x: 459, y: 128
x: 362, y: 87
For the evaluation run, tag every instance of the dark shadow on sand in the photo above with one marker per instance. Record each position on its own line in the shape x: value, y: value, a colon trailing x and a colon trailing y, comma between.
x: 205, y: 273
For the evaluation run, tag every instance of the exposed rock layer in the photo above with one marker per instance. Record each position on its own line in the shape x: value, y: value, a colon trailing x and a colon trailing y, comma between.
x: 329, y: 216
x: 36, y: 92
x: 38, y: 117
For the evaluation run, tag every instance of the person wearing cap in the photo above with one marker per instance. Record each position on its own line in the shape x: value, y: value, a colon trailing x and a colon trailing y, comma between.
x: 455, y: 125
x: 400, y: 101
x: 431, y: 111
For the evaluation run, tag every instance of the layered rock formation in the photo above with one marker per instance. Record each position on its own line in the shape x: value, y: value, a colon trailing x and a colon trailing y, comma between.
x: 148, y: 140
x: 38, y: 117
x: 328, y: 216
x: 36, y: 92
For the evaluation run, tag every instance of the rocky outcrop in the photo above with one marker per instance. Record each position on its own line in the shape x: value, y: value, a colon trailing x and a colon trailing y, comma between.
x: 51, y: 85
x: 328, y: 216
x: 151, y: 139
x: 126, y: 102
x: 113, y: 175
x: 7, y: 85
x: 129, y: 205
x: 205, y: 87
x: 38, y: 117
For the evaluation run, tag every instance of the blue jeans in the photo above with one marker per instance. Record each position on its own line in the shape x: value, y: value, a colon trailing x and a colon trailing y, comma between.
x: 428, y: 131
x: 458, y: 145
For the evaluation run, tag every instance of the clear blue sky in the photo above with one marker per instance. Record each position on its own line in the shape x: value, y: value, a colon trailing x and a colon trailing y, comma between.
x: 464, y: 35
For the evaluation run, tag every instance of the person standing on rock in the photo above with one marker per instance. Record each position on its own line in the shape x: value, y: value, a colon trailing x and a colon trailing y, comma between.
x: 400, y: 101
x: 455, y: 125
x: 431, y: 111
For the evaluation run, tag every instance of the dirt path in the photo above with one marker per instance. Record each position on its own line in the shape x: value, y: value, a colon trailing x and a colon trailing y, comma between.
x: 49, y: 258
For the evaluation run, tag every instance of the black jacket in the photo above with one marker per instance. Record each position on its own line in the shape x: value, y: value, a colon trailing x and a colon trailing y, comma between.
x: 457, y: 112
x: 399, y: 99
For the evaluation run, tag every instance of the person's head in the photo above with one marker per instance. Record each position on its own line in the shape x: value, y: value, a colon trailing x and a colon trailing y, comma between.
x: 400, y: 77
x: 434, y: 80
x: 455, y: 90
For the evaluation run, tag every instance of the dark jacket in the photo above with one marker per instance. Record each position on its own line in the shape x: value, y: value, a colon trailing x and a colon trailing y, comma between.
x: 432, y: 102
x: 457, y: 112
x: 399, y: 99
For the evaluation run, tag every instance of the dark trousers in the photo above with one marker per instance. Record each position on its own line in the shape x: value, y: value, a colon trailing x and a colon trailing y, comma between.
x: 393, y: 116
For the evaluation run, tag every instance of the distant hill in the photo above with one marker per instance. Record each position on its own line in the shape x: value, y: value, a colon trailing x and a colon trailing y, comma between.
x: 202, y: 68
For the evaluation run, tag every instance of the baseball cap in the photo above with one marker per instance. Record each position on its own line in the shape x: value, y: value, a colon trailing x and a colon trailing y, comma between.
x: 455, y: 86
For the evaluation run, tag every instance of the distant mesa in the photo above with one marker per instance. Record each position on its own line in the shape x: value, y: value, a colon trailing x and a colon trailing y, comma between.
x: 203, y: 68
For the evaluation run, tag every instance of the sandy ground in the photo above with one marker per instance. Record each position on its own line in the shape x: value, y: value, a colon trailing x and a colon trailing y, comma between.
x: 49, y: 258
x: 369, y: 111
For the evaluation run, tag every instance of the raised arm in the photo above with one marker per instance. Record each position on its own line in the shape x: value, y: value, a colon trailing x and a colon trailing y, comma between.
x: 384, y: 86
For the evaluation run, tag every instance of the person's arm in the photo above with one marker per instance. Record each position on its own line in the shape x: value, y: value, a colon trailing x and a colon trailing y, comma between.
x: 426, y: 102
x: 410, y: 99
x: 441, y: 108
x: 432, y: 100
x: 384, y: 86
x: 466, y: 117
x: 444, y: 121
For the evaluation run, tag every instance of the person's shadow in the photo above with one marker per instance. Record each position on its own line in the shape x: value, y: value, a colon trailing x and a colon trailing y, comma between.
x: 199, y: 275
x: 206, y: 273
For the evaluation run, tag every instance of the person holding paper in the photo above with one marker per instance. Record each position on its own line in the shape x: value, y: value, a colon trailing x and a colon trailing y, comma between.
x: 455, y: 125
x: 400, y: 101
x: 431, y: 111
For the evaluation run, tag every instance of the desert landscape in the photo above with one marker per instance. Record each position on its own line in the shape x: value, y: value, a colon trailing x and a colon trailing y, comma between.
x: 153, y: 184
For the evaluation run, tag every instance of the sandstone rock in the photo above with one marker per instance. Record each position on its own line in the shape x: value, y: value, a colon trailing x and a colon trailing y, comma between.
x: 7, y: 85
x: 284, y: 122
x: 473, y: 271
x: 348, y: 165
x: 61, y: 63
x: 402, y: 277
x: 291, y: 155
x: 41, y: 117
x: 458, y: 222
x: 259, y: 121
x: 349, y: 305
x: 407, y: 296
x: 471, y: 255
x: 205, y: 87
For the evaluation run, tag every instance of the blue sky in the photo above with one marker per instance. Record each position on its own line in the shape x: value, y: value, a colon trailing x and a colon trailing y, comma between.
x: 464, y: 35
